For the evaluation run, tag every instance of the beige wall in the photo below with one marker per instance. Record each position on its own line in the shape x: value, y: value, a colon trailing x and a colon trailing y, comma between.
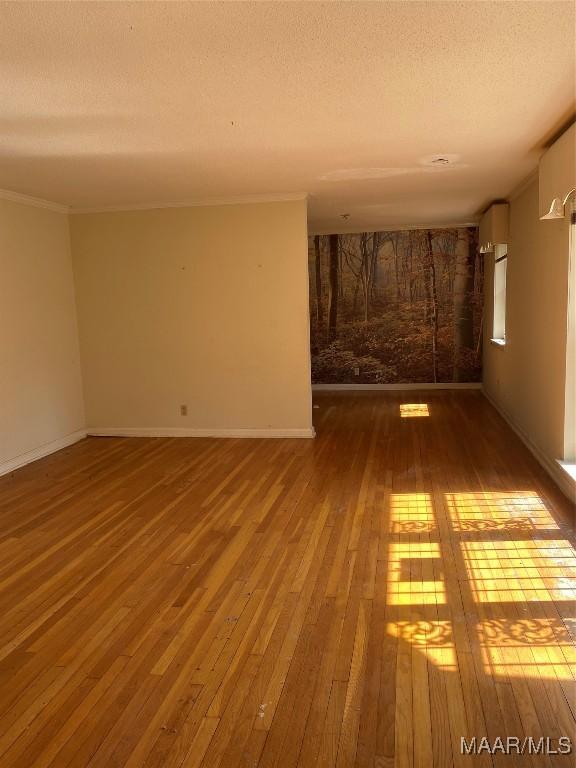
x: 203, y: 306
x: 40, y: 382
x: 526, y: 378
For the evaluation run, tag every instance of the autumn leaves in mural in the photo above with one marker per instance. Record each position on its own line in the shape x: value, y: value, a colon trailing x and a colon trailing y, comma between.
x: 396, y: 307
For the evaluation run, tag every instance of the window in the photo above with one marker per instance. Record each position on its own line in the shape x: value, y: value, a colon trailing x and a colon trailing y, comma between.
x: 499, y: 322
x: 570, y: 393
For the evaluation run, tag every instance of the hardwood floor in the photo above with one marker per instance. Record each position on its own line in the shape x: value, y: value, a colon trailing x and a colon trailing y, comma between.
x: 366, y: 598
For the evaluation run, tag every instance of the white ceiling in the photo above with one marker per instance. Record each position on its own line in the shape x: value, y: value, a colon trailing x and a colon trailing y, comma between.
x: 112, y: 104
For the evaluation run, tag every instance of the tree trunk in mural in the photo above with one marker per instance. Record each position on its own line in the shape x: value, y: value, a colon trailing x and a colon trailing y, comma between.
x: 411, y: 267
x: 361, y: 267
x: 333, y: 289
x: 365, y: 274
x: 393, y: 238
x: 361, y: 259
x: 433, y: 306
x: 427, y: 286
x: 374, y: 264
x: 463, y: 309
x: 318, y: 282
x: 356, y: 289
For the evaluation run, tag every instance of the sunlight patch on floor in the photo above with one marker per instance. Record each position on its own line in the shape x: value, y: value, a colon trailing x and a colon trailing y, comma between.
x: 410, y: 410
x: 520, y: 571
x: 415, y: 574
x: 411, y: 513
x: 433, y: 638
x: 495, y: 511
x: 527, y: 648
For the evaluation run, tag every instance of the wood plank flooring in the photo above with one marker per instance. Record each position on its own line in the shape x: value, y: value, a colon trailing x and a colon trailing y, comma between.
x: 366, y: 598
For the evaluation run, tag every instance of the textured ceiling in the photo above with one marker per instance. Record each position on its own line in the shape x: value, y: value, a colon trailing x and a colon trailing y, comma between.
x: 109, y: 104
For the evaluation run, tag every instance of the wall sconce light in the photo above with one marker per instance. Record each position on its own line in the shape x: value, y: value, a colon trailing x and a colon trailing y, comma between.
x: 557, y: 208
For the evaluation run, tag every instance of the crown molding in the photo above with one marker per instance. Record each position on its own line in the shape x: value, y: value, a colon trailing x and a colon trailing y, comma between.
x: 35, y: 202
x: 523, y: 185
x: 198, y: 203
x: 355, y: 230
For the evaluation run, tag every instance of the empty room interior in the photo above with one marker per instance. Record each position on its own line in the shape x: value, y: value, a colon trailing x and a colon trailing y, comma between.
x: 287, y: 384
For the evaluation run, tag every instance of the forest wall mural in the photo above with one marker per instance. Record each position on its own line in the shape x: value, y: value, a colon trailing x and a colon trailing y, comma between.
x: 396, y: 307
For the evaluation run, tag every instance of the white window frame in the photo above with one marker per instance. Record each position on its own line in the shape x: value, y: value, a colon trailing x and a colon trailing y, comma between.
x: 570, y: 391
x: 499, y: 299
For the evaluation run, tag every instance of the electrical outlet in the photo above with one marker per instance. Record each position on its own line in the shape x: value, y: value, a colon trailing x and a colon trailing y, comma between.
x: 356, y: 371
x: 183, y: 410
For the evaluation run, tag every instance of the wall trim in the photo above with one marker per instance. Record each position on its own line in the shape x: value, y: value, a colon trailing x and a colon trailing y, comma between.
x: 393, y: 387
x: 558, y: 474
x: 207, y: 432
x: 36, y: 202
x: 523, y: 185
x: 353, y: 229
x: 41, y: 452
x: 281, y: 197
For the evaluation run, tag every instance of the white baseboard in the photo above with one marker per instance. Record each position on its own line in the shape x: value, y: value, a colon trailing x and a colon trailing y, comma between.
x: 185, y: 432
x: 393, y: 387
x: 553, y: 467
x: 41, y: 451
